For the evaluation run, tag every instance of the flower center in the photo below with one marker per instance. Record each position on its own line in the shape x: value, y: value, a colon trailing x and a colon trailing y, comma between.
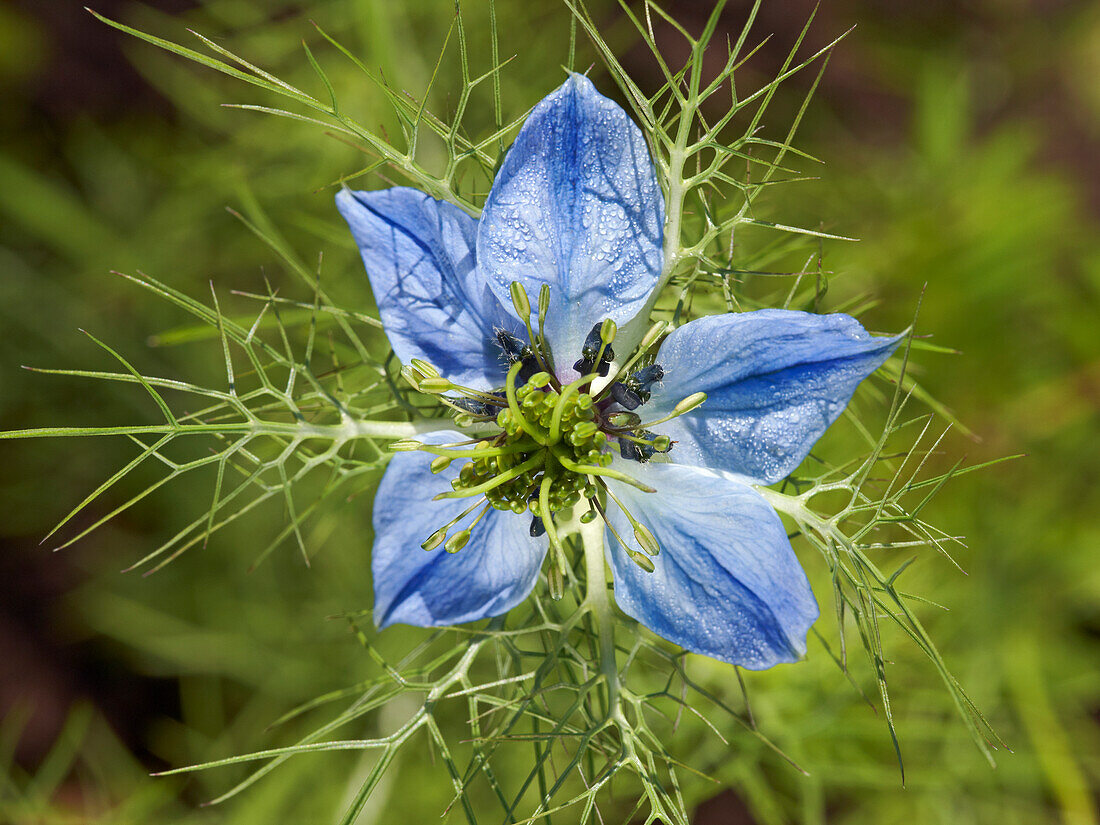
x: 552, y: 450
x: 545, y: 434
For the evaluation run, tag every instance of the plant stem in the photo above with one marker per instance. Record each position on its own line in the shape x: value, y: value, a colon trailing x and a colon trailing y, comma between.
x: 598, y: 603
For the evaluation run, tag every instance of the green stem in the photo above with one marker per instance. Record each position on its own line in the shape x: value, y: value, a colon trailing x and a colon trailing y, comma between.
x: 597, y: 602
x: 346, y: 431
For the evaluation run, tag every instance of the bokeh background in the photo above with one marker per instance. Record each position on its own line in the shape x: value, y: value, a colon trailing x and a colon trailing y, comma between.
x: 961, y: 146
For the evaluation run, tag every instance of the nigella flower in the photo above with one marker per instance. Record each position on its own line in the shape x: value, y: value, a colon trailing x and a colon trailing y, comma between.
x: 663, y: 445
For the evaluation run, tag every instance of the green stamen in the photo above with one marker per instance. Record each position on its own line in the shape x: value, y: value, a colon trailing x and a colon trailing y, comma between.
x: 585, y: 469
x: 465, y: 492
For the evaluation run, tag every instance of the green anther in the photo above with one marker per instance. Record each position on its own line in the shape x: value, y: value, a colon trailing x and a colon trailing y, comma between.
x: 646, y: 540
x: 691, y: 402
x: 685, y: 405
x: 440, y: 463
x: 607, y: 331
x: 539, y: 379
x: 589, y: 517
x: 641, y: 560
x: 424, y: 368
x: 662, y: 443
x: 457, y: 541
x: 520, y: 300
x: 435, y: 539
x: 466, y: 475
x: 411, y: 376
x: 555, y: 580
x: 435, y: 386
x: 405, y: 445
x: 624, y: 420
x: 544, y: 303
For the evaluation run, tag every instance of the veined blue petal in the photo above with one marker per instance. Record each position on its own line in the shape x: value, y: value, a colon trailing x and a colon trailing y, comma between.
x: 420, y: 258
x: 492, y: 574
x: 576, y: 205
x: 775, y: 381
x: 726, y: 582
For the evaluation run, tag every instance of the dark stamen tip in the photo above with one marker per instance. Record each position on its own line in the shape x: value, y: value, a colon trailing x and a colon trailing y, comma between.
x: 624, y: 396
x: 537, y: 527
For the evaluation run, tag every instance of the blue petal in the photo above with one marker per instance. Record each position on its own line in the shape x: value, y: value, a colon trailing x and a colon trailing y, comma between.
x: 775, y: 381
x: 726, y: 582
x: 575, y: 205
x: 492, y: 574
x: 420, y: 259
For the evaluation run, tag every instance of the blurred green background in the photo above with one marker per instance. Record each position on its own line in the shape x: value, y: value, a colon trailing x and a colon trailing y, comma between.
x: 961, y: 143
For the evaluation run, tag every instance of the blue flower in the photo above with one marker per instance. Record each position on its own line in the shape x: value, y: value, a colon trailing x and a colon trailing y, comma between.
x: 576, y: 216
